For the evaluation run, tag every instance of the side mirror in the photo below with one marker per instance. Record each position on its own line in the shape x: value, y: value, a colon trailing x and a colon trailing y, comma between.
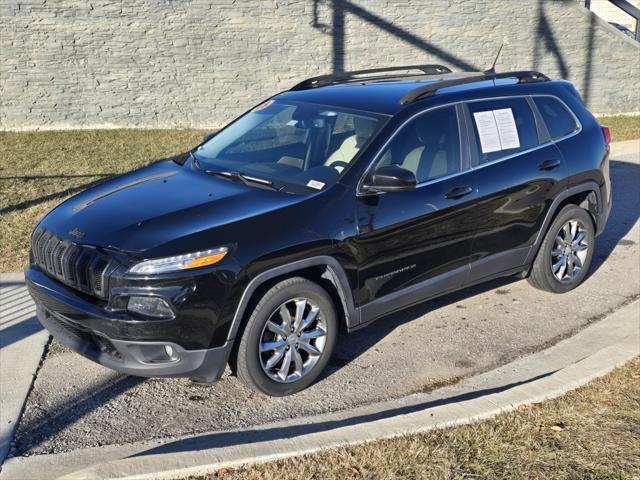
x: 208, y: 136
x: 390, y: 178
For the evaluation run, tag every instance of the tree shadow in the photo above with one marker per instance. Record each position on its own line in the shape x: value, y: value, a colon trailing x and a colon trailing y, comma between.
x: 19, y: 331
x: 52, y: 421
x: 15, y: 305
x: 53, y: 196
x: 545, y: 38
x: 339, y: 10
x: 589, y: 47
x: 43, y: 177
x: 351, y: 346
x: 546, y: 41
x: 625, y: 211
x: 235, y: 438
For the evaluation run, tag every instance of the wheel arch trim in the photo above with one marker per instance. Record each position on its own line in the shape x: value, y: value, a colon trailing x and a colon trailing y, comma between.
x: 335, y: 274
x: 589, y: 186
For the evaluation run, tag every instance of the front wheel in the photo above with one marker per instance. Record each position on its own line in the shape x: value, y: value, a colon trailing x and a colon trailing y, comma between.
x: 288, y: 339
x: 566, y: 251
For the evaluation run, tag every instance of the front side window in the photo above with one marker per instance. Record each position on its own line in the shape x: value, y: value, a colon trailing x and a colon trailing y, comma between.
x: 428, y: 146
x: 290, y: 143
x: 502, y: 127
x: 556, y: 117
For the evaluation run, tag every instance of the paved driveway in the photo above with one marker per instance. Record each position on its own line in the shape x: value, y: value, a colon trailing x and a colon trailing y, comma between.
x: 76, y: 403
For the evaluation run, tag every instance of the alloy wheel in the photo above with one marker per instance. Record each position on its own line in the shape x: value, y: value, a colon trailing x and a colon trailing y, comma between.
x: 569, y: 251
x: 292, y: 340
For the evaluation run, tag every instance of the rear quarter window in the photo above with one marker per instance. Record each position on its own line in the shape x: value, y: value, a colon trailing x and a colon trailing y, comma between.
x: 523, y: 118
x: 560, y: 122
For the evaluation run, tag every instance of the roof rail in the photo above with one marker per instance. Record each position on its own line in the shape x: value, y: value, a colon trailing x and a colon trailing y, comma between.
x: 524, y: 76
x: 355, y: 75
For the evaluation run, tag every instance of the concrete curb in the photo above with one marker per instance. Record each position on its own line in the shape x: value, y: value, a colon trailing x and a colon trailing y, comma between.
x: 22, y: 342
x: 12, y: 277
x: 569, y: 364
x: 628, y: 147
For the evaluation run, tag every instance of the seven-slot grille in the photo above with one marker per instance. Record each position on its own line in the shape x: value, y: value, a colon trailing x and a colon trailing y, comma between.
x: 82, y: 268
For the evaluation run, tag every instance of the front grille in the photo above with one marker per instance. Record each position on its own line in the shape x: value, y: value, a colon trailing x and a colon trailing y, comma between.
x: 81, y: 268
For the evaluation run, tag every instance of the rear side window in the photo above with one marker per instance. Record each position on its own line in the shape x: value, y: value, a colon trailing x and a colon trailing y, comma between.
x: 428, y: 146
x: 559, y: 120
x: 502, y: 127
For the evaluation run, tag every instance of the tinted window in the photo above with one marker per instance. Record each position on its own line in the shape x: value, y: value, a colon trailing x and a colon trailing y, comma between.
x: 517, y: 112
x: 558, y: 119
x: 290, y: 143
x: 429, y: 145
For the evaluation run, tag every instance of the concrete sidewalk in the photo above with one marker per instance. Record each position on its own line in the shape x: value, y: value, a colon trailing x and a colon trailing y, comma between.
x: 22, y: 342
x: 603, y: 344
x: 591, y: 353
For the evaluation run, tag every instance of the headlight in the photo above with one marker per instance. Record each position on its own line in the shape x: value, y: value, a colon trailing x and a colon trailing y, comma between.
x: 180, y: 262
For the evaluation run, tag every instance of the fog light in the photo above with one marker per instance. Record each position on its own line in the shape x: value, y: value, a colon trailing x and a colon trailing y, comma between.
x: 168, y: 349
x: 150, y: 306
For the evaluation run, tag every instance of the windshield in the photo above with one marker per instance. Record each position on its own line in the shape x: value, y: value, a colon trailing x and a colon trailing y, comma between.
x: 289, y: 143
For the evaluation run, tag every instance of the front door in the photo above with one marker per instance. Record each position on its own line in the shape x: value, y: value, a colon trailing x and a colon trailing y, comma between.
x: 416, y: 244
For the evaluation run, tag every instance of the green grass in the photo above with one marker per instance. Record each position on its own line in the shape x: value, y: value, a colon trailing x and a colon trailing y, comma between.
x: 622, y: 127
x: 590, y: 433
x: 40, y: 169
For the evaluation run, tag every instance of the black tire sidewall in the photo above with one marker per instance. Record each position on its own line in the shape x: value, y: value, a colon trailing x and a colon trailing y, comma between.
x: 275, y: 297
x: 543, y: 262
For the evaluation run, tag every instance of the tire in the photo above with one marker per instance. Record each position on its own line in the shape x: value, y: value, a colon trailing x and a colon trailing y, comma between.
x: 300, y: 347
x: 563, y: 245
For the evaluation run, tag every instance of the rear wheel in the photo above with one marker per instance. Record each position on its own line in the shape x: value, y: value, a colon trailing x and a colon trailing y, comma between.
x: 288, y: 339
x: 566, y: 251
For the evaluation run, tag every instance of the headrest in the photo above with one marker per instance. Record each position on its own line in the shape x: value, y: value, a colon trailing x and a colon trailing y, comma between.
x: 364, y: 128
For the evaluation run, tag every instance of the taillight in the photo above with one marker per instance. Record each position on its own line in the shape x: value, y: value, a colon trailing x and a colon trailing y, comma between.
x: 607, y: 134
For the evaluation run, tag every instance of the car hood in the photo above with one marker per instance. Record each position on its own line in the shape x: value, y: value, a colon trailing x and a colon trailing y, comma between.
x: 158, y: 204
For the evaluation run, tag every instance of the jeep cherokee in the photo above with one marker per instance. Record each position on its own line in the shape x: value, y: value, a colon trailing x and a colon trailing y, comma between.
x: 325, y: 207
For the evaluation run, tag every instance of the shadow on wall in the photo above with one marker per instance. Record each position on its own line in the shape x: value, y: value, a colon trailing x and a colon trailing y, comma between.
x: 545, y: 38
x: 546, y: 42
x: 340, y: 8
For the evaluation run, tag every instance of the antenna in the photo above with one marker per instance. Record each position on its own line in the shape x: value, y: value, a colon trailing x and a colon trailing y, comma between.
x: 493, y: 67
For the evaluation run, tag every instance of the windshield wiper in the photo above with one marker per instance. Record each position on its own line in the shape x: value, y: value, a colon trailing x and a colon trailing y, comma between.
x: 195, y: 161
x: 246, y: 179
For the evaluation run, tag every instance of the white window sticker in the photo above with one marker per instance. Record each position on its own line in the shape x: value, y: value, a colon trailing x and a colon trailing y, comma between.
x: 488, y: 131
x: 507, y: 128
x: 315, y: 184
x: 497, y: 130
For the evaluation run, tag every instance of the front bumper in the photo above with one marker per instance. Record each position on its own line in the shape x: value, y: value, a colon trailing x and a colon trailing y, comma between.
x: 83, y: 327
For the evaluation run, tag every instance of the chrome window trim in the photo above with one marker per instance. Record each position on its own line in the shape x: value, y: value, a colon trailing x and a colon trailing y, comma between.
x: 361, y: 193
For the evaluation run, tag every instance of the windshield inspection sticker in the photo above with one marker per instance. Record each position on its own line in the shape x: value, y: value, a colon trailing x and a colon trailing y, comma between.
x: 315, y: 184
x: 497, y: 130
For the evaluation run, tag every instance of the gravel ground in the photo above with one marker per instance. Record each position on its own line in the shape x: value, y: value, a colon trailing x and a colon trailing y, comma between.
x: 76, y: 403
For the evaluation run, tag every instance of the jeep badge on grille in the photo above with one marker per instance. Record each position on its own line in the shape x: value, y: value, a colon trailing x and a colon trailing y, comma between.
x: 76, y: 232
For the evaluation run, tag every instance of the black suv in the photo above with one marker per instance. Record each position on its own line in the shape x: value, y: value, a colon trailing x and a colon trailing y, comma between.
x: 339, y: 201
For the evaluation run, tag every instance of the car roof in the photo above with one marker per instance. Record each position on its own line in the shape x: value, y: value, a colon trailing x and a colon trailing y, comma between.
x: 385, y: 96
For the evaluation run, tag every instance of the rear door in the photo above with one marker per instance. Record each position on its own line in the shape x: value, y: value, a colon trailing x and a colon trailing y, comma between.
x: 517, y: 172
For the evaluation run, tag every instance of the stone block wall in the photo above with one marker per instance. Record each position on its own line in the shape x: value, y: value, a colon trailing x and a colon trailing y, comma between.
x: 198, y: 63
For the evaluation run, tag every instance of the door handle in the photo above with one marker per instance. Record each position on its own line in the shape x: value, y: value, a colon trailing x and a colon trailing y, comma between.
x: 549, y: 164
x: 458, y: 192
